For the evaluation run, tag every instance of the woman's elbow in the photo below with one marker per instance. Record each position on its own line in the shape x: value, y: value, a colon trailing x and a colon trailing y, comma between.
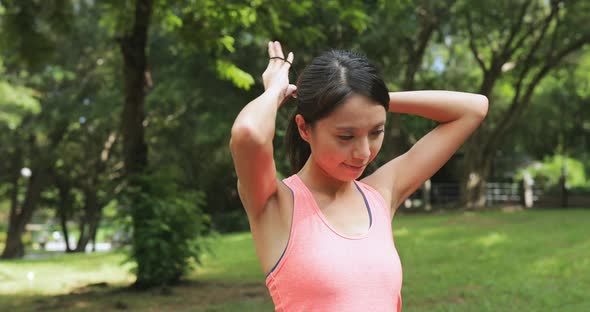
x: 482, y: 105
x: 243, y: 134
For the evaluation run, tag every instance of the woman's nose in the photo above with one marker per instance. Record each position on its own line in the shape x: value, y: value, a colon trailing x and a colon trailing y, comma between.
x: 361, y: 149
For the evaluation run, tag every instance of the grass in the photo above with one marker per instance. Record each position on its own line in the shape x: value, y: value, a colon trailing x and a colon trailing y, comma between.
x: 487, y: 261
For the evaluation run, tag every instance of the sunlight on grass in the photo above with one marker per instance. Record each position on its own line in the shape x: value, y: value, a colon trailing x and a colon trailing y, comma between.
x: 492, y: 239
x: 62, y: 273
x: 401, y: 232
x: 546, y: 266
x: 239, y: 237
x: 554, y: 267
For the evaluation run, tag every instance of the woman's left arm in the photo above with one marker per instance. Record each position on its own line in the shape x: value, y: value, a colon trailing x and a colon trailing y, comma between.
x: 459, y: 113
x: 442, y: 106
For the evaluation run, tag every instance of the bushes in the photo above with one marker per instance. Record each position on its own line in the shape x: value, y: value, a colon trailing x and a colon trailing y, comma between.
x: 547, y: 173
x: 233, y: 221
x: 169, y: 230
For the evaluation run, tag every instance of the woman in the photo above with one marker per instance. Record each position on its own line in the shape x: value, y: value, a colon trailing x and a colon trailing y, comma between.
x: 324, y: 239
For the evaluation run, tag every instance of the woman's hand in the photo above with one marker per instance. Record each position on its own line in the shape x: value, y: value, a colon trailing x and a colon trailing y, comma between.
x: 276, y: 75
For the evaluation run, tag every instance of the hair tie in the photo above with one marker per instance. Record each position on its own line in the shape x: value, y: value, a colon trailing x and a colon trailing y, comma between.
x: 280, y: 58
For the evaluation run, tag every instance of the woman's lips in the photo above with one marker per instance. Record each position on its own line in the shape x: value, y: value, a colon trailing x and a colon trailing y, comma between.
x: 354, y: 167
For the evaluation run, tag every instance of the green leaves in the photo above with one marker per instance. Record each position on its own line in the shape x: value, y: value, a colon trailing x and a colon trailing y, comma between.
x: 30, y: 29
x: 228, y: 43
x: 548, y: 172
x: 171, y: 21
x: 16, y: 102
x: 229, y: 71
x: 358, y: 19
x: 169, y: 226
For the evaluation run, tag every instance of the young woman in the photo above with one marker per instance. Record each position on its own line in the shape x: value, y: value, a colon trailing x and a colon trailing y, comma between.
x: 324, y: 238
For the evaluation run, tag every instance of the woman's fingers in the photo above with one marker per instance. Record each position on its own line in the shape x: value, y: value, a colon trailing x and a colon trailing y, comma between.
x: 275, y: 73
x: 279, y: 50
x: 272, y: 53
x: 291, y: 91
x: 289, y: 59
x: 271, y: 49
x: 275, y: 50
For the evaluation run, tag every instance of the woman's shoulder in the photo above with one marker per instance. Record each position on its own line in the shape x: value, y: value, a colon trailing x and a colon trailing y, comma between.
x: 372, y: 183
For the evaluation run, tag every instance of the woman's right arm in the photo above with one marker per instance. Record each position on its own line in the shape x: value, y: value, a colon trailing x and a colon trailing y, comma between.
x: 252, y: 134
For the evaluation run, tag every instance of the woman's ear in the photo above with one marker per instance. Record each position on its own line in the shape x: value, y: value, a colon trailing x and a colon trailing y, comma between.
x: 303, y: 127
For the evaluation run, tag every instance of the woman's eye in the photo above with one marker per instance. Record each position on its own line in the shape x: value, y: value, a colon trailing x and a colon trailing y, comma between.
x: 350, y: 137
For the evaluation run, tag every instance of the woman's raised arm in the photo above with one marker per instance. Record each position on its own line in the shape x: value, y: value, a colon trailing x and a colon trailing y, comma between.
x: 252, y: 134
x: 459, y: 113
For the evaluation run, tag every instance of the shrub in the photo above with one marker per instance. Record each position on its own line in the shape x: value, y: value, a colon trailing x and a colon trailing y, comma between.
x: 168, y: 229
x: 547, y: 173
x: 232, y: 221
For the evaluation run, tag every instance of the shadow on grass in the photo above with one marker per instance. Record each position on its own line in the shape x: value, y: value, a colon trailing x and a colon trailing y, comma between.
x: 187, y: 296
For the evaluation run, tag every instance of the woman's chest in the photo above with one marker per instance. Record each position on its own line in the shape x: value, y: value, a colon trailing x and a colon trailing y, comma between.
x: 332, y: 265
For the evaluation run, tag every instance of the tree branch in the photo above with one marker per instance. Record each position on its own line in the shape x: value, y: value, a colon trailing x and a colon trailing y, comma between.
x: 472, y: 45
x: 514, y: 30
x: 520, y: 103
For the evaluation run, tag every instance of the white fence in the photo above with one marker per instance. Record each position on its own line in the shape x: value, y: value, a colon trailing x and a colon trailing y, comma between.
x: 447, y: 194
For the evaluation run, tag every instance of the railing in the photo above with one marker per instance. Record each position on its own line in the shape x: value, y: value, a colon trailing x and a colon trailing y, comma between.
x: 448, y: 193
x: 503, y: 192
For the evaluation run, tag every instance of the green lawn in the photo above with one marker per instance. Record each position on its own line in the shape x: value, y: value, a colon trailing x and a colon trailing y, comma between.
x: 485, y: 261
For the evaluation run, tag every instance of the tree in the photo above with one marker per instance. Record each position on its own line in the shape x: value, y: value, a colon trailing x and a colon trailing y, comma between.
x: 523, y: 42
x: 64, y: 95
x: 398, y: 39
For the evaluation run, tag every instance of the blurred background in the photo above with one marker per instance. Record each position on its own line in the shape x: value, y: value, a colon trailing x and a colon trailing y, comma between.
x: 117, y: 188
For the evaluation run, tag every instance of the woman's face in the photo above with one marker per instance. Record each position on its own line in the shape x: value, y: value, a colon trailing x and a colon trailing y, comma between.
x: 348, y: 139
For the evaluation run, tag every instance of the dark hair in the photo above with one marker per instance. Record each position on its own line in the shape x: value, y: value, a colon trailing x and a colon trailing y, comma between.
x: 324, y: 84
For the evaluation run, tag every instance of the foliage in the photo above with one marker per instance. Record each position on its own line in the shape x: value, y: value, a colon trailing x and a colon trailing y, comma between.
x: 233, y: 221
x: 31, y: 30
x: 548, y: 172
x: 559, y: 122
x: 15, y: 103
x: 169, y: 230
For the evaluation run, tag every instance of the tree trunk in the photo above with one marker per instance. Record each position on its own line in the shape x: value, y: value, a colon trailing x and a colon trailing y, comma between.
x: 94, y: 224
x: 83, y: 239
x: 13, y: 248
x: 20, y: 215
x: 64, y: 229
x: 83, y: 225
x: 90, y: 220
x: 135, y: 70
x: 476, y: 169
x: 65, y: 206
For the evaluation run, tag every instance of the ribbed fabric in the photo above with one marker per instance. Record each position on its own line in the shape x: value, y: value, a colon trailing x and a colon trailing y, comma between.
x: 322, y: 270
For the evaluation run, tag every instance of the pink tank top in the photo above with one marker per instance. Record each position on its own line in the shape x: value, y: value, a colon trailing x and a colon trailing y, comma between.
x: 322, y: 270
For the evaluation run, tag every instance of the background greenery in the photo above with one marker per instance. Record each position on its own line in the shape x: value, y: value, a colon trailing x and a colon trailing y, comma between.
x: 101, y: 146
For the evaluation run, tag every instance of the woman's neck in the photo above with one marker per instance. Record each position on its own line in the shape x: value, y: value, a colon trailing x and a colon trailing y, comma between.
x: 317, y: 179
